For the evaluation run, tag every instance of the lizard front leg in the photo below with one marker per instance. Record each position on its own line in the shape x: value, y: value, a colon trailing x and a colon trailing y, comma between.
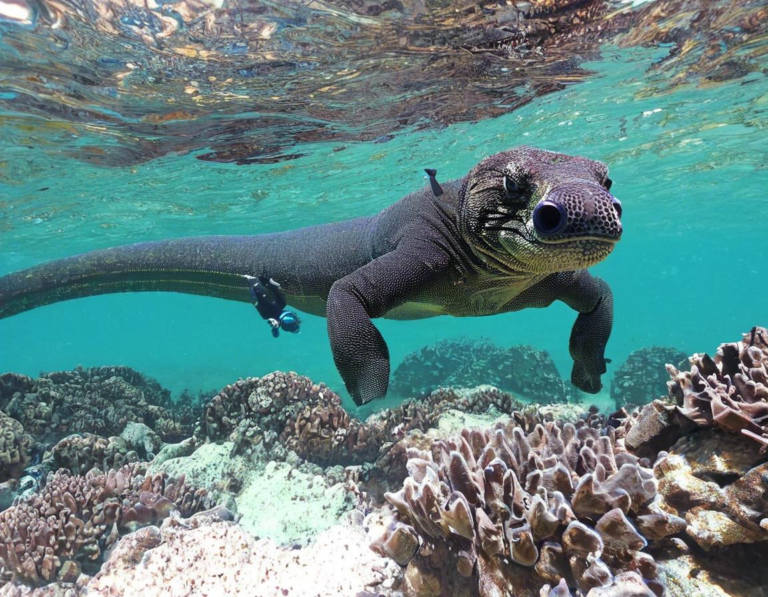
x: 593, y: 299
x: 359, y: 350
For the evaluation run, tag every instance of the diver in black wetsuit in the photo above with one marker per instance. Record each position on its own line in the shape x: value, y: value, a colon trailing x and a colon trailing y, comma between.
x: 270, y: 303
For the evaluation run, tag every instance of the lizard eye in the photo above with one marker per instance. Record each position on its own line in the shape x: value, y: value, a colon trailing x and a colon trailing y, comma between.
x: 511, y: 187
x: 608, y: 184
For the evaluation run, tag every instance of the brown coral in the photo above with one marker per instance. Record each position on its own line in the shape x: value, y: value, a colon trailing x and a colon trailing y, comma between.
x: 69, y: 525
x: 15, y: 446
x: 325, y: 433
x: 310, y: 419
x: 80, y: 453
x: 729, y: 391
x: 719, y: 485
x: 521, y: 510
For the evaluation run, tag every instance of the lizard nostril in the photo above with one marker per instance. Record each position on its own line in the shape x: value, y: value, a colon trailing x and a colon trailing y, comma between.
x: 549, y: 217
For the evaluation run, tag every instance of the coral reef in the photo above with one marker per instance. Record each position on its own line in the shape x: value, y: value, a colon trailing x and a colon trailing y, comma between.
x: 15, y: 447
x: 68, y: 526
x: 729, y: 391
x: 549, y: 500
x: 643, y: 376
x: 469, y: 363
x: 309, y: 418
x: 188, y: 409
x: 535, y: 500
x: 510, y: 510
x: 101, y: 400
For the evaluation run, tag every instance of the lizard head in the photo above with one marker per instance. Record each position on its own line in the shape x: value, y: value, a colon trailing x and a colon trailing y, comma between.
x: 534, y: 211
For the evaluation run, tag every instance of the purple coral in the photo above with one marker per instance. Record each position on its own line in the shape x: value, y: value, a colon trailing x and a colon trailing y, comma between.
x: 74, y: 520
x: 729, y: 391
x: 15, y: 447
x: 521, y: 510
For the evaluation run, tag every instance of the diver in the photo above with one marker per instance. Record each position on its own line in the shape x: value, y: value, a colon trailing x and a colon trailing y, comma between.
x: 270, y: 303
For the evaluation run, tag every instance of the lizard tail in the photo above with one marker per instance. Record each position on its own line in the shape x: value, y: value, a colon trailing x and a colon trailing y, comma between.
x: 211, y: 265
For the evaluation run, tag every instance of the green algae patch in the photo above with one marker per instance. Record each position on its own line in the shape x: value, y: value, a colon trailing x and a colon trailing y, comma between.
x: 274, y: 499
x: 290, y: 506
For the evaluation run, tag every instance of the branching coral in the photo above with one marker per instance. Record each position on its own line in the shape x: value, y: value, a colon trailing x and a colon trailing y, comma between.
x: 517, y: 511
x: 729, y: 391
x: 99, y: 400
x: 75, y: 519
x: 467, y: 363
x: 643, y: 376
x: 15, y: 446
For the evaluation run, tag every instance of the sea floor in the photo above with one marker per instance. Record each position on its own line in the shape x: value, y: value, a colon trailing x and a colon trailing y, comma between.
x: 270, y: 488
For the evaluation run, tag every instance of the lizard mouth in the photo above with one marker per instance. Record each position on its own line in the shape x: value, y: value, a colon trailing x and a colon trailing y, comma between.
x: 577, y: 239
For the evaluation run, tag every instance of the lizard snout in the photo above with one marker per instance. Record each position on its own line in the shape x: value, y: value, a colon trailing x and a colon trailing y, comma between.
x: 574, y: 211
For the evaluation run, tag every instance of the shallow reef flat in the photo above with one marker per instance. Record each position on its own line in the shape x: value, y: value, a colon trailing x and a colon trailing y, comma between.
x: 269, y: 487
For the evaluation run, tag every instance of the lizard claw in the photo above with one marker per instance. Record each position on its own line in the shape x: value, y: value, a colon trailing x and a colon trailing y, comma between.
x: 586, y: 377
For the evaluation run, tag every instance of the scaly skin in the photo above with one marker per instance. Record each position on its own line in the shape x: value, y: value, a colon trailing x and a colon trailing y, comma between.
x: 471, y: 251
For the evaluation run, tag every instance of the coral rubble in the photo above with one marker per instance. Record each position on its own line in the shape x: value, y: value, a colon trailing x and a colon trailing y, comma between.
x: 729, y: 391
x: 514, y: 511
x: 643, y: 376
x: 209, y: 554
x: 288, y: 501
x: 719, y: 485
x: 68, y: 526
x: 469, y: 363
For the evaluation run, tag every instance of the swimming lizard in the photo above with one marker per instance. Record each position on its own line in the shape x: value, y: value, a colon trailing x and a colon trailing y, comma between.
x: 517, y: 232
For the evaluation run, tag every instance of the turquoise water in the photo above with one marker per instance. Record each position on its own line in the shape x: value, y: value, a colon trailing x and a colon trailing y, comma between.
x: 688, y: 162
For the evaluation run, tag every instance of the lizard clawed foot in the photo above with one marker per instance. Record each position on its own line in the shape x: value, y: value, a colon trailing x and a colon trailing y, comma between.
x: 586, y: 376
